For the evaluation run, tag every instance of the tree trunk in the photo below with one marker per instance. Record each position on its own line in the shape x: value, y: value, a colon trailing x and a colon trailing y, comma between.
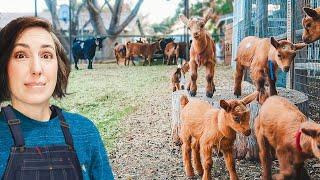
x: 244, y: 147
x: 115, y: 28
x: 52, y: 6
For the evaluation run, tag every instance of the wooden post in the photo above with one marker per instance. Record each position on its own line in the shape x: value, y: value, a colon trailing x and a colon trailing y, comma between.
x: 244, y: 147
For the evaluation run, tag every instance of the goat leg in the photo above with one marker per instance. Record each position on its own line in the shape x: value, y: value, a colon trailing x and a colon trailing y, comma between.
x: 286, y: 171
x: 194, y: 76
x: 196, y: 157
x: 209, y: 77
x: 301, y: 172
x: 238, y: 79
x: 265, y: 157
x: 228, y: 158
x: 206, y: 152
x: 186, y: 153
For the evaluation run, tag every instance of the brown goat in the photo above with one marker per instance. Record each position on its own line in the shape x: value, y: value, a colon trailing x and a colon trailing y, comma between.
x: 202, y: 52
x: 119, y: 51
x: 171, y: 52
x: 208, y: 128
x: 178, y: 76
x: 280, y: 126
x: 311, y: 25
x: 263, y: 56
x: 142, y: 49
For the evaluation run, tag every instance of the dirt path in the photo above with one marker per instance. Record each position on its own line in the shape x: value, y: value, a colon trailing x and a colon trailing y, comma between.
x: 144, y: 149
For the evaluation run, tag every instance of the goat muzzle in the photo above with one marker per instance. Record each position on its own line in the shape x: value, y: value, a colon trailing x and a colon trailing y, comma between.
x: 286, y: 68
x: 247, y: 132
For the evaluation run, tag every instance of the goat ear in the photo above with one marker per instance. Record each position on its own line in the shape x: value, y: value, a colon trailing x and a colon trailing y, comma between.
x: 311, y: 12
x: 274, y: 42
x: 248, y: 99
x: 207, y: 15
x: 184, y: 19
x: 299, y: 46
x: 310, y: 129
x: 225, y: 105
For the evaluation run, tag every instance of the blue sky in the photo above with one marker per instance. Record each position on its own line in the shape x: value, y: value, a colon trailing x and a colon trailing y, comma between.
x: 157, y: 10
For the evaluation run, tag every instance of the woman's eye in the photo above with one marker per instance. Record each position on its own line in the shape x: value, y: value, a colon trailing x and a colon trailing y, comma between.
x: 47, y: 56
x: 20, y: 55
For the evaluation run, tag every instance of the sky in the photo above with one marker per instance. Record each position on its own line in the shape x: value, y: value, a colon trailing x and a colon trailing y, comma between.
x: 157, y: 10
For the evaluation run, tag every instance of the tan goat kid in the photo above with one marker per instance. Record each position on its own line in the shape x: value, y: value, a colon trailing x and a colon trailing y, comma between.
x: 282, y: 127
x: 263, y: 57
x: 202, y: 52
x: 311, y: 25
x: 179, y: 75
x: 204, y: 128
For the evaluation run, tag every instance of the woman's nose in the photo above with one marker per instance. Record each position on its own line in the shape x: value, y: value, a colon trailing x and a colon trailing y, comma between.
x: 36, y: 66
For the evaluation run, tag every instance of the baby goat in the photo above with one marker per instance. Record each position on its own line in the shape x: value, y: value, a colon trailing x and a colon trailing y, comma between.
x: 204, y: 128
x: 282, y: 127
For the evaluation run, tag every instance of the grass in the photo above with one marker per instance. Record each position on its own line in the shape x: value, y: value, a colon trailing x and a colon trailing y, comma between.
x: 109, y: 93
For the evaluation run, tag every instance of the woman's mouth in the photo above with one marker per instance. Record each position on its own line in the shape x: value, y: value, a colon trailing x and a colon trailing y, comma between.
x: 35, y: 84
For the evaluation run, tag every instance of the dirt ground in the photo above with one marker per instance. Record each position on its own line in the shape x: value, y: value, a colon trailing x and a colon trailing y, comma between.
x: 144, y: 149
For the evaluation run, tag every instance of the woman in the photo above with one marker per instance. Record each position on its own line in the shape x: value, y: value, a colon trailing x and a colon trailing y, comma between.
x: 39, y: 141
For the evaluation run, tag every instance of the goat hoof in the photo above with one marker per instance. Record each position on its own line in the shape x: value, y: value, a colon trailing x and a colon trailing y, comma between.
x: 191, y: 177
x: 238, y: 94
x: 182, y: 87
x: 192, y: 93
x: 209, y: 94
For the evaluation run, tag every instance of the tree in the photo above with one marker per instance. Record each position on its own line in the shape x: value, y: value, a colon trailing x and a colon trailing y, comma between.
x: 115, y: 27
x: 52, y: 6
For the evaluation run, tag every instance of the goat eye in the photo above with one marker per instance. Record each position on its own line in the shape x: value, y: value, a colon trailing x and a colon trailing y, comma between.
x: 237, y: 119
x: 308, y: 25
x: 318, y: 146
x: 279, y: 56
x: 202, y: 25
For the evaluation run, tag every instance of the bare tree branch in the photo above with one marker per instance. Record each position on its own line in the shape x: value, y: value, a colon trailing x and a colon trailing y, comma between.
x: 92, y: 6
x: 132, y: 15
x: 109, y: 6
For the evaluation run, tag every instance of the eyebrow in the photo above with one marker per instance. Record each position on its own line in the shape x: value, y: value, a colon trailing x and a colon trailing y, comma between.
x: 27, y: 46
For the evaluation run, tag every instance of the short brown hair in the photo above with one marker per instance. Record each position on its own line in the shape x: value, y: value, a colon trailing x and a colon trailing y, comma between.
x: 8, y: 36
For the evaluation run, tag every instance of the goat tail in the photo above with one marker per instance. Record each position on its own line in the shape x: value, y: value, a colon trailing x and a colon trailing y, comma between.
x: 184, y: 101
x: 115, y: 44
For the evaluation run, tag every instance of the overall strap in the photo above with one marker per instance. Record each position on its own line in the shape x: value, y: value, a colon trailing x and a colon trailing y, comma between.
x: 64, y: 127
x: 14, y: 125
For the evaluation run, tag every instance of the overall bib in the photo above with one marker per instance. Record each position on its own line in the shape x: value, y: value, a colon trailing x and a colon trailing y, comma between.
x: 40, y: 163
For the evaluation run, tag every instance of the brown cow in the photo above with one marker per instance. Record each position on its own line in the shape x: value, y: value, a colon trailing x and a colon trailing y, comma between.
x: 263, y: 57
x: 202, y: 52
x: 204, y: 128
x: 119, y: 52
x: 171, y: 52
x: 311, y: 25
x: 142, y: 49
x: 280, y: 126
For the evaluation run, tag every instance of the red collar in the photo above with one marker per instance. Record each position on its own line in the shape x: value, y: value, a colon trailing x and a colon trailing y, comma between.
x: 298, y: 138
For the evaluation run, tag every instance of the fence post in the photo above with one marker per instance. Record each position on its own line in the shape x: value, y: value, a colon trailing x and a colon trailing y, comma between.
x: 290, y: 37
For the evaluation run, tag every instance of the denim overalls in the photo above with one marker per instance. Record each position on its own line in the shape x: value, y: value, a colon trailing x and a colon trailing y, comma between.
x: 40, y: 163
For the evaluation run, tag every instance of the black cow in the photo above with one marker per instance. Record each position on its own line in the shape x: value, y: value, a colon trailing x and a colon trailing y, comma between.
x: 85, y: 49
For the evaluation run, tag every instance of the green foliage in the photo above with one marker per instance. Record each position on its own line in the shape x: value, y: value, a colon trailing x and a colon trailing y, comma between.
x: 221, y: 7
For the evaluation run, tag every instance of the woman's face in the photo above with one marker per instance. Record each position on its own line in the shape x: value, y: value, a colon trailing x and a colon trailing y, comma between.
x: 33, y: 67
